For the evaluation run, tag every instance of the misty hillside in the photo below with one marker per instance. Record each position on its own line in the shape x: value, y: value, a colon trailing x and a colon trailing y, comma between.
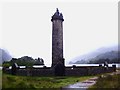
x: 110, y: 57
x: 4, y: 55
x: 99, y: 53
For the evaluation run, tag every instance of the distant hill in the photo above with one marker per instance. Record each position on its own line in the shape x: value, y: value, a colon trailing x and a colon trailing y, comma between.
x: 4, y: 56
x: 110, y: 57
x: 104, y: 52
x: 7, y: 60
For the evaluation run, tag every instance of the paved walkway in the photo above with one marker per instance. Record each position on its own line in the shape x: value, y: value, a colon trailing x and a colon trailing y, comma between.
x: 85, y: 84
x: 81, y: 85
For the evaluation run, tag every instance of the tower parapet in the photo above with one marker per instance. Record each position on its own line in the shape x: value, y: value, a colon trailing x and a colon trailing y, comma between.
x: 57, y: 16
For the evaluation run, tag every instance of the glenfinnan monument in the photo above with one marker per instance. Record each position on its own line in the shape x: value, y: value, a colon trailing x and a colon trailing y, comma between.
x: 57, y: 38
x: 58, y: 68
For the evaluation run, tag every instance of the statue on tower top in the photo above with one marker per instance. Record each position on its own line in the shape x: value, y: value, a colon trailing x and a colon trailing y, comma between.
x: 57, y: 10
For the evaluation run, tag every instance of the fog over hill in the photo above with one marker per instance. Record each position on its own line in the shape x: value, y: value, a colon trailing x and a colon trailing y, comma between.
x: 4, y: 55
x: 110, y: 57
x: 97, y: 53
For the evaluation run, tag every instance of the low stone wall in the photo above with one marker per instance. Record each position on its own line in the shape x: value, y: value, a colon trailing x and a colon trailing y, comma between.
x: 69, y: 71
x: 35, y: 72
x: 91, y: 70
x: 77, y: 71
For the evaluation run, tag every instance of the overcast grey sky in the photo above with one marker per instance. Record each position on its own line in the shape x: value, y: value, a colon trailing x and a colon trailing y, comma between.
x: 27, y: 27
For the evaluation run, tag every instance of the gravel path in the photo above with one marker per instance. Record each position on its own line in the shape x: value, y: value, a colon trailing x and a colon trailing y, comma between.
x: 81, y: 85
x: 85, y: 84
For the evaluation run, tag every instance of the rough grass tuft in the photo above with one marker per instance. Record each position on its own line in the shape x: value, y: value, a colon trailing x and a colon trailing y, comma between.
x: 10, y: 81
x: 110, y: 81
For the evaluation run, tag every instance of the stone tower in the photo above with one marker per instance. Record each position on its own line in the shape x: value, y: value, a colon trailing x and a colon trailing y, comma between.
x: 57, y: 38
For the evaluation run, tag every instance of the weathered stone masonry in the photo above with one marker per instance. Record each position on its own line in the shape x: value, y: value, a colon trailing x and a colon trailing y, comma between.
x: 69, y: 71
x: 57, y: 38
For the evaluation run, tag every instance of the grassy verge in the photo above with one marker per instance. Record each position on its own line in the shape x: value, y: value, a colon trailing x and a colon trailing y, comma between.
x: 110, y: 81
x: 10, y: 81
x: 0, y: 79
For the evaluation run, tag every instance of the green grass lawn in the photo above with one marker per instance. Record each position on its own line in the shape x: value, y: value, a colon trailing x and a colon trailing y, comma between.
x: 10, y: 81
x: 0, y: 79
x: 107, y: 82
